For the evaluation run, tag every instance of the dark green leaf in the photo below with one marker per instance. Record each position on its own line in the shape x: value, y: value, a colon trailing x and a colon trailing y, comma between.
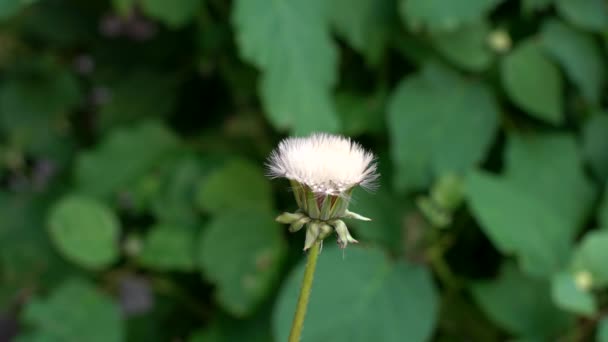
x: 75, y: 311
x: 385, y: 210
x: 85, y: 231
x: 590, y: 15
x: 533, y: 83
x: 466, y: 47
x: 530, y: 6
x: 360, y: 295
x: 439, y: 122
x: 33, y: 109
x: 579, y: 56
x: 602, y: 330
x: 169, y: 248
x: 237, y: 184
x: 603, y: 210
x: 124, y: 155
x: 227, y: 329
x: 241, y: 252
x: 595, y: 144
x: 438, y: 15
x: 124, y: 7
x: 138, y: 95
x: 365, y: 24
x: 9, y: 8
x: 361, y: 114
x: 521, y: 305
x: 175, y: 13
x: 175, y: 200
x: 28, y: 259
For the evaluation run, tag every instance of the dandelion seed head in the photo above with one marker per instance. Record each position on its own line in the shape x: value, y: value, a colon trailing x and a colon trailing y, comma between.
x: 326, y: 163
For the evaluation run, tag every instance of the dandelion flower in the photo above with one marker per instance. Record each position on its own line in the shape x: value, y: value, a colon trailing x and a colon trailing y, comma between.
x: 323, y: 170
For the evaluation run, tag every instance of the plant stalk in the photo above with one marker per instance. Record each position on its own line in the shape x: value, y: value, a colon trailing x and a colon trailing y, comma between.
x: 309, y: 272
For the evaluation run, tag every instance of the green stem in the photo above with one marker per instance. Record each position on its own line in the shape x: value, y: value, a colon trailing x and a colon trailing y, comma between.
x: 309, y: 272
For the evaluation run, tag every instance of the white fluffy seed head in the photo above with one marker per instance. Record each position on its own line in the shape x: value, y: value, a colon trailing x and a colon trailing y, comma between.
x: 329, y: 164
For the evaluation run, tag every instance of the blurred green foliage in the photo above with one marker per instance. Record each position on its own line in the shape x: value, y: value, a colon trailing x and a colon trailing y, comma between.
x: 134, y: 204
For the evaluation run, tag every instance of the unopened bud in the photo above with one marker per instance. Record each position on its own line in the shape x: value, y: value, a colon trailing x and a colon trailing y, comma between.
x: 583, y: 280
x: 500, y: 41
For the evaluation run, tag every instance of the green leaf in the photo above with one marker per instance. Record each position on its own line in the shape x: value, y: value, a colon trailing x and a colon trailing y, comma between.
x: 533, y: 83
x: 174, y: 201
x: 9, y: 8
x: 237, y: 184
x: 174, y: 14
x: 124, y: 155
x: 602, y: 330
x: 595, y: 144
x: 75, y: 311
x: 290, y: 42
x: 34, y: 107
x: 123, y: 7
x: 579, y: 56
x: 519, y: 224
x: 169, y: 248
x: 438, y: 15
x: 27, y: 257
x: 603, y: 210
x: 385, y: 210
x: 365, y: 25
x: 568, y: 296
x: 241, y: 252
x: 430, y: 136
x: 549, y: 167
x: 590, y: 15
x: 361, y: 114
x: 520, y: 304
x: 228, y: 329
x: 137, y: 95
x: 85, y: 231
x: 59, y: 26
x: 530, y: 6
x: 466, y: 47
x: 360, y: 295
x: 591, y: 255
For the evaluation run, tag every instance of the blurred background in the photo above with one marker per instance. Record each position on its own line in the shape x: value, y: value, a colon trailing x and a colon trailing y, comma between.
x: 134, y: 204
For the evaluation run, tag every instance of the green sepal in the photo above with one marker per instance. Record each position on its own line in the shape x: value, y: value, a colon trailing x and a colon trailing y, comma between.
x: 351, y: 215
x: 289, y: 218
x: 296, y: 226
x: 326, y: 207
x: 313, y: 230
x: 344, y: 237
x: 325, y: 231
x: 311, y: 207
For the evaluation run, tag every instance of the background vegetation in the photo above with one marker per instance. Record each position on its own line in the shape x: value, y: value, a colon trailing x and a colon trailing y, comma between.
x: 133, y: 202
